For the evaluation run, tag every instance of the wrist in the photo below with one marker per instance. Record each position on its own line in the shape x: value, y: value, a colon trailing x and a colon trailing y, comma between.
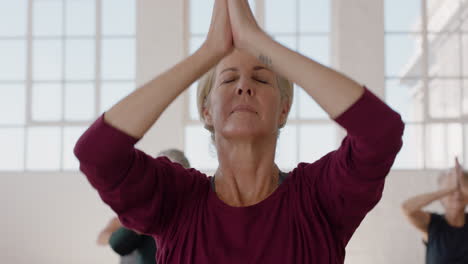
x: 211, y: 52
x: 253, y: 42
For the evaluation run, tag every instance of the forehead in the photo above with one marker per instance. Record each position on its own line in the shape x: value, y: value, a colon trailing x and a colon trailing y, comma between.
x: 239, y: 60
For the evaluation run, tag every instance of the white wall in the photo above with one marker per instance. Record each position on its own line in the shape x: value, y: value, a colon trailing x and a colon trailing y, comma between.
x: 55, y: 218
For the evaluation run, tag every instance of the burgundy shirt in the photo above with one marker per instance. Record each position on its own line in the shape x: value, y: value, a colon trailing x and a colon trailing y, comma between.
x: 309, y: 218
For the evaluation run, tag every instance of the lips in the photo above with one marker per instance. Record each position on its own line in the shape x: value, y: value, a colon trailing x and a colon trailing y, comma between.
x: 244, y: 108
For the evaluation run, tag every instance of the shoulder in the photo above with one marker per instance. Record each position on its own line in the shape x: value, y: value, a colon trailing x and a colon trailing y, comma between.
x: 435, y: 222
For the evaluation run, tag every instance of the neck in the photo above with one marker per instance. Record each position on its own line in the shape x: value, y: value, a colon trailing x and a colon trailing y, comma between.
x: 247, y: 173
x: 456, y: 218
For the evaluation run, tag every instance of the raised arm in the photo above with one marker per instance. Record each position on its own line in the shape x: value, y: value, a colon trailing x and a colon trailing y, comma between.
x: 413, y: 209
x: 147, y: 193
x: 136, y: 113
x: 333, y: 91
x: 347, y: 183
x: 462, y: 178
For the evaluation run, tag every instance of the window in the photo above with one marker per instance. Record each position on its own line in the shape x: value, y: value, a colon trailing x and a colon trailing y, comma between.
x: 301, y: 25
x: 63, y: 63
x: 426, y: 79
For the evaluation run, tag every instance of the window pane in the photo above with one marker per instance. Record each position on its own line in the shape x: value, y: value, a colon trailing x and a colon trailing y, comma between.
x: 81, y: 17
x: 80, y: 59
x: 70, y: 136
x: 47, y: 18
x: 12, y: 104
x: 440, y: 14
x: 316, y: 141
x: 286, y: 150
x: 47, y: 102
x: 118, y: 17
x: 12, y: 150
x: 443, y: 143
x: 444, y: 55
x: 294, y: 107
x: 13, y: 60
x: 200, y: 16
x: 13, y: 17
x: 113, y: 92
x: 118, y: 59
x: 308, y: 108
x: 43, y: 149
x: 280, y: 16
x: 200, y: 151
x: 402, y: 55
x: 444, y: 98
x: 195, y: 43
x: 317, y: 48
x: 411, y: 154
x: 465, y: 55
x: 287, y: 41
x: 47, y: 60
x: 464, y: 23
x: 403, y: 15
x: 79, y: 101
x: 406, y: 97
x: 314, y: 15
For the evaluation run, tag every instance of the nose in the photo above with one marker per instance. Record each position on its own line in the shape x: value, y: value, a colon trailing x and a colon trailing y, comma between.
x: 244, y: 88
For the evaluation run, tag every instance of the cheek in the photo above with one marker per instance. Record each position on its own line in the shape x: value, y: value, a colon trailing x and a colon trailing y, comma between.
x: 219, y: 106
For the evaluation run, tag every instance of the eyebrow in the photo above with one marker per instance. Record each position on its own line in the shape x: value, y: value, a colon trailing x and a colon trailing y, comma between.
x: 256, y: 68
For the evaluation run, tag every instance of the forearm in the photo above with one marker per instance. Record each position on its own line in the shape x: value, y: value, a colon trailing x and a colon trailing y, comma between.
x: 417, y: 203
x: 333, y: 91
x: 136, y: 113
x: 464, y: 183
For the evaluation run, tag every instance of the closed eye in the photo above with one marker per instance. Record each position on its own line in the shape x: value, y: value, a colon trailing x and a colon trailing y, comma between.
x: 229, y: 80
x: 261, y: 81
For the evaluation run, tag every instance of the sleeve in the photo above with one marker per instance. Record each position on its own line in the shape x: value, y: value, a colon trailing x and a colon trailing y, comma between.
x: 124, y: 241
x: 147, y: 194
x: 349, y: 182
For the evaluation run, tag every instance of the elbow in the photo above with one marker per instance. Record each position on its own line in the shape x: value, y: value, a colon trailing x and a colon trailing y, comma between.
x: 81, y: 148
x: 406, y: 209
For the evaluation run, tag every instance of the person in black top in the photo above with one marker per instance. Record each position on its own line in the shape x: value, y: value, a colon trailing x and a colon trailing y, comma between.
x: 131, y: 246
x: 446, y: 235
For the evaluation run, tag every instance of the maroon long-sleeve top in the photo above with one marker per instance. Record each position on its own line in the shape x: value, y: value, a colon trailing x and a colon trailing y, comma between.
x: 309, y: 218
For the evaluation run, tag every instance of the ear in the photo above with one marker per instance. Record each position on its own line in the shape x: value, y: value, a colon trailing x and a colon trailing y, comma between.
x: 207, y: 116
x: 285, y: 107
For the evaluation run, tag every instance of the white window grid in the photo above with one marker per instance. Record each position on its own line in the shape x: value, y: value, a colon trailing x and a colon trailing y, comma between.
x: 64, y: 160
x: 436, y: 117
x: 313, y: 120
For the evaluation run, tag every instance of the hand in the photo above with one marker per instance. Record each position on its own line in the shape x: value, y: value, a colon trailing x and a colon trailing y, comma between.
x: 219, y: 39
x: 462, y: 179
x: 243, y: 23
x: 448, y: 181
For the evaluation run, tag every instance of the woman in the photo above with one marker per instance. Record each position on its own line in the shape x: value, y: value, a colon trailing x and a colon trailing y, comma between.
x: 249, y: 211
x: 446, y: 236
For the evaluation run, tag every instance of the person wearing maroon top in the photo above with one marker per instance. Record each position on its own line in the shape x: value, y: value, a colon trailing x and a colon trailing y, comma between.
x: 249, y: 211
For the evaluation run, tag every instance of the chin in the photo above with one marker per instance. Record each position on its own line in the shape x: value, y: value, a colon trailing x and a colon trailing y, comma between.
x: 243, y: 131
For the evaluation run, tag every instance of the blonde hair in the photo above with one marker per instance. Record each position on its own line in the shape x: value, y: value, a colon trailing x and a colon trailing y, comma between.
x: 205, y: 85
